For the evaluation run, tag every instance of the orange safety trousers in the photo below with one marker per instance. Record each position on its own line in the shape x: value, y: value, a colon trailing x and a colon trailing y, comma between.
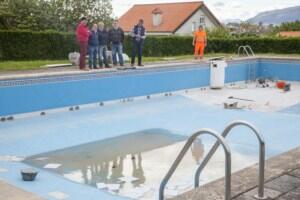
x: 199, y: 49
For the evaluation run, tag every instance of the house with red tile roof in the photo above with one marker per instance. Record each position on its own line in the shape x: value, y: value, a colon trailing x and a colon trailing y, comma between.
x: 289, y: 33
x: 180, y: 18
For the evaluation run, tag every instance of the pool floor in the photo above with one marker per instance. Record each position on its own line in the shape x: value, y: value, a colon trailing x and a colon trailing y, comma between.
x: 132, y: 165
x: 57, y: 132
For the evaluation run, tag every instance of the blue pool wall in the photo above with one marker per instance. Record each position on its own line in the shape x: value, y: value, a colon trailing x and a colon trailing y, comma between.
x: 32, y: 95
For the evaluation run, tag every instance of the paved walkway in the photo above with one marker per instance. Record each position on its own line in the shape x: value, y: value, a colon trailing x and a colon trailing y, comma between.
x: 282, y: 181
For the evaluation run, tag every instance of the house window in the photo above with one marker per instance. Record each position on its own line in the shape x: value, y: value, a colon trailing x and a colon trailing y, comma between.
x: 193, y: 26
x: 202, y: 20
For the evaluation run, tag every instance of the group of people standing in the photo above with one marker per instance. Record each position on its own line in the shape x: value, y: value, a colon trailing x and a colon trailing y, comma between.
x: 96, y: 41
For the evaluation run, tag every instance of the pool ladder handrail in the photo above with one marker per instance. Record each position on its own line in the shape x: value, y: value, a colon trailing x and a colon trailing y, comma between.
x: 261, y: 163
x: 186, y: 147
x: 245, y: 48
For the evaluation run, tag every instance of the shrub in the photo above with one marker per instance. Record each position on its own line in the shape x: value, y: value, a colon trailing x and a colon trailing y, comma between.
x: 26, y: 45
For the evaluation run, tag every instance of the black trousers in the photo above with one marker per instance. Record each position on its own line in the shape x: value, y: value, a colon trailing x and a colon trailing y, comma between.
x: 137, y: 49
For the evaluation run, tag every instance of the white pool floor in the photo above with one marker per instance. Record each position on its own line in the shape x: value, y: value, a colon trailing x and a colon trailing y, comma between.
x: 268, y: 99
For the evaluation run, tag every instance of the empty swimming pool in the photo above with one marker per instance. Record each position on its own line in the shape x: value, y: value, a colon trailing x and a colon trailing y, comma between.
x: 124, y: 148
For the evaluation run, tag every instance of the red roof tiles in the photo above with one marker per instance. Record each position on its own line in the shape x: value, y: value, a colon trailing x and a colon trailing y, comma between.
x: 290, y: 33
x: 173, y: 15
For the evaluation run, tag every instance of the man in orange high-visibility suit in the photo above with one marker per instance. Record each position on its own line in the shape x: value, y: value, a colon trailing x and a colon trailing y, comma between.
x: 199, y: 41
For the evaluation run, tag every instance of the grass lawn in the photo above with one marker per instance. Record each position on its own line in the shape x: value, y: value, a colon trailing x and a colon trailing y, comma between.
x: 27, y: 65
x: 37, y: 64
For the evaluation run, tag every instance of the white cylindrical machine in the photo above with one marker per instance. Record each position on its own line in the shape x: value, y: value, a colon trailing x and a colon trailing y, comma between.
x: 217, y: 73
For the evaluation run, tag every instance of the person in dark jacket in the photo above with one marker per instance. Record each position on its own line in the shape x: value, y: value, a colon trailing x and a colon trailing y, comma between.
x: 138, y: 38
x: 93, y: 47
x: 103, y: 41
x: 116, y: 38
x: 82, y: 35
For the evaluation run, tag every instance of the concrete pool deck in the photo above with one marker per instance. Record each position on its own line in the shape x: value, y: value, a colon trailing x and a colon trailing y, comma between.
x: 282, y: 181
x: 8, y: 191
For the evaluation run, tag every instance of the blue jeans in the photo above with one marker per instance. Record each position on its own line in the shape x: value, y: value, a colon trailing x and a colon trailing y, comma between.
x: 137, y: 48
x: 117, y: 49
x: 102, y: 53
x: 93, y: 51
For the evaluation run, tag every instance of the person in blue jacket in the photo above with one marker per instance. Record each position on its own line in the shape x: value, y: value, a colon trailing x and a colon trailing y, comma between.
x: 103, y: 43
x: 93, y: 47
x: 138, y: 38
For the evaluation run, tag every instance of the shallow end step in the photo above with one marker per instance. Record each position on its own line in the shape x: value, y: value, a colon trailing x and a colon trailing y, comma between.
x: 8, y: 191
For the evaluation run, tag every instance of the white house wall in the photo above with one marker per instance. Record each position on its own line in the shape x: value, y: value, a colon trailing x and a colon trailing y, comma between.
x: 186, y: 28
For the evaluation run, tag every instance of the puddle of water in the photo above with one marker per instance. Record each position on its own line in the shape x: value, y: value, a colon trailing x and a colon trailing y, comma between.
x: 133, y: 165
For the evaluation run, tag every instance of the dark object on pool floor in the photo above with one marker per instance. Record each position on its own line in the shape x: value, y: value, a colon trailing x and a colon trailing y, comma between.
x: 43, y: 113
x: 148, y: 97
x: 287, y: 87
x: 10, y: 118
x: 166, y: 94
x: 101, y: 104
x: 231, y: 97
x: 28, y: 174
x: 3, y: 119
x: 231, y: 105
x: 77, y: 108
x: 71, y: 109
x: 261, y: 80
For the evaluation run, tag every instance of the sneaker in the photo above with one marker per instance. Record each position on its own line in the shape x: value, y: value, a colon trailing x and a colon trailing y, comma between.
x: 141, y: 65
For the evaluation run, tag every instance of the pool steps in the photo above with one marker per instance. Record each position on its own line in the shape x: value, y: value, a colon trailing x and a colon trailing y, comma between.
x: 221, y: 140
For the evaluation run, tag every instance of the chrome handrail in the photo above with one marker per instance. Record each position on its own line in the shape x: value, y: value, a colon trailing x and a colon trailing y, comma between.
x: 182, y: 153
x: 261, y: 156
x: 245, y: 49
x: 249, y: 47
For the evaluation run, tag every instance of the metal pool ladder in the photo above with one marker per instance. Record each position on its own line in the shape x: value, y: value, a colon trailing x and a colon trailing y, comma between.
x: 249, y: 52
x: 247, y: 49
x: 182, y: 153
x: 221, y: 140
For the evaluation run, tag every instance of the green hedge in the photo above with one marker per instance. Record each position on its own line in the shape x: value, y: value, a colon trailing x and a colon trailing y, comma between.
x: 25, y: 45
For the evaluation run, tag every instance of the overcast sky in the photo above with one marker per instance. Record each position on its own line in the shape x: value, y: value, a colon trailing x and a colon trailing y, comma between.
x: 223, y: 9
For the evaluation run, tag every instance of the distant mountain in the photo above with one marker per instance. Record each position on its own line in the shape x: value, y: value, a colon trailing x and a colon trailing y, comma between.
x: 277, y: 16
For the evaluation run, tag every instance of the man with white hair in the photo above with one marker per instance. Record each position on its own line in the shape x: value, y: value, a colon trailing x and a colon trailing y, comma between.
x: 103, y: 42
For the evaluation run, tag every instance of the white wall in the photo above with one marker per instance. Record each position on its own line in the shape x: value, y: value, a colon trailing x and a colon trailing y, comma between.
x: 186, y: 29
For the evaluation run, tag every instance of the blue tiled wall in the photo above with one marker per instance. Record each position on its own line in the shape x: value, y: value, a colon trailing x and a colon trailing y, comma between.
x: 279, y: 69
x: 58, y: 92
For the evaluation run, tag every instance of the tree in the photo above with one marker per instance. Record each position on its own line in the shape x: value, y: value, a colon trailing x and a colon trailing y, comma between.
x: 60, y: 15
x: 70, y: 11
x: 288, y: 26
x: 6, y: 15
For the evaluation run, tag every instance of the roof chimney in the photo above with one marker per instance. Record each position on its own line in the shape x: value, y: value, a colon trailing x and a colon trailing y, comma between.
x: 156, y: 17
